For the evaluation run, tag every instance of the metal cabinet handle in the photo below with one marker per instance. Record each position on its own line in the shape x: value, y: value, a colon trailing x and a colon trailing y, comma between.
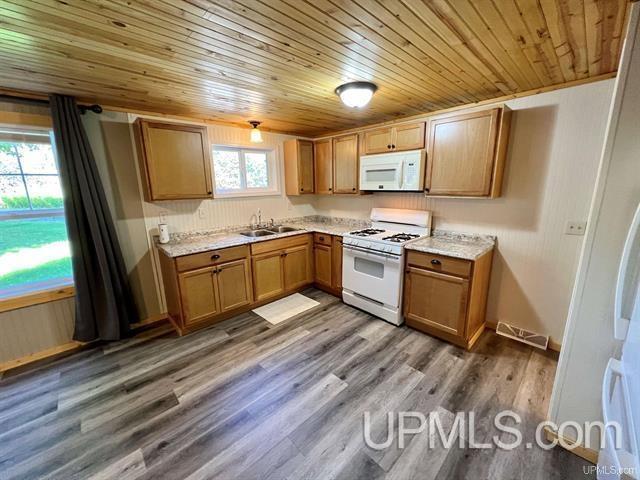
x: 435, y: 261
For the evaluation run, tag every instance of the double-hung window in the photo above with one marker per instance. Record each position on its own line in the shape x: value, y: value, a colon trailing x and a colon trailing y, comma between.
x: 240, y: 172
x: 34, y: 248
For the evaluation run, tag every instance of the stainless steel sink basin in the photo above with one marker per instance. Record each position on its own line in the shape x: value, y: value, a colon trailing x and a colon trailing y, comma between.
x: 282, y: 229
x: 257, y: 233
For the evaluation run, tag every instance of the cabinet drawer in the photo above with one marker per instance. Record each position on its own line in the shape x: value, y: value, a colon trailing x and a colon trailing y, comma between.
x: 211, y: 257
x: 440, y: 263
x: 322, y: 239
x: 279, y: 244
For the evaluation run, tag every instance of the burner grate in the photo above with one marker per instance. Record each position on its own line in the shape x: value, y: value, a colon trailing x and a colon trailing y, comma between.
x: 401, y: 237
x: 366, y: 232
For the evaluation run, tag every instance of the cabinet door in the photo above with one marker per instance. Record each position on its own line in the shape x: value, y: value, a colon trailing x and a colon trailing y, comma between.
x: 268, y: 279
x: 436, y: 300
x: 297, y: 267
x: 198, y: 294
x: 176, y: 159
x: 378, y: 141
x: 408, y: 137
x: 345, y: 164
x: 461, y: 154
x: 234, y: 284
x: 305, y: 165
x: 336, y: 260
x: 324, y: 167
x: 322, y: 257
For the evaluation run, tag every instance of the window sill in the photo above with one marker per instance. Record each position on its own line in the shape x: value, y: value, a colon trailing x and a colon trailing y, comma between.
x: 269, y: 193
x: 36, y: 298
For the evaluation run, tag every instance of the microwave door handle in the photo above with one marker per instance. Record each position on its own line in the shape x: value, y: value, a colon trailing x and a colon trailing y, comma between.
x: 401, y: 173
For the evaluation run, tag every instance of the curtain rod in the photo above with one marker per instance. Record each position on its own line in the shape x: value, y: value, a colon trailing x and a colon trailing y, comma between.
x: 36, y: 101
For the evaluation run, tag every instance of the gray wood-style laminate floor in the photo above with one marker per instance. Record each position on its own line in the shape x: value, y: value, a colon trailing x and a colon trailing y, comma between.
x: 245, y: 399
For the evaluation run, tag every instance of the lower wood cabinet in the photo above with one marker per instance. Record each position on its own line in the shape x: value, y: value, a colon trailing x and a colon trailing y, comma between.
x: 281, y: 265
x: 327, y: 251
x: 233, y: 280
x: 447, y: 297
x: 209, y: 286
x: 198, y: 295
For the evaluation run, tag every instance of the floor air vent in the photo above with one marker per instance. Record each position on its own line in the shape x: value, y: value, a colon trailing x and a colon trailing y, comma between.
x: 521, y: 335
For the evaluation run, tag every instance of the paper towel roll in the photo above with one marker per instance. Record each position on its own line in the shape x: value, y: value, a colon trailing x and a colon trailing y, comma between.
x: 163, y: 229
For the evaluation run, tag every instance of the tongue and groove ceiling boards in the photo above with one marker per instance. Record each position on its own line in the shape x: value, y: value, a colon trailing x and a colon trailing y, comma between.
x: 279, y: 61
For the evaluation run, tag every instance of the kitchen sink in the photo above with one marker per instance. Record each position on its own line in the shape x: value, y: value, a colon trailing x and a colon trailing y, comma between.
x: 282, y: 229
x: 257, y: 233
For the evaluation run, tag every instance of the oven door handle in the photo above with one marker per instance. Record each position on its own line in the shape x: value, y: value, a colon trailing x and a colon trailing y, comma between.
x: 371, y: 252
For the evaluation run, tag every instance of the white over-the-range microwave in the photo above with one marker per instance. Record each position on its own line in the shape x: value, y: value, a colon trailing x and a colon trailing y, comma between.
x: 396, y: 171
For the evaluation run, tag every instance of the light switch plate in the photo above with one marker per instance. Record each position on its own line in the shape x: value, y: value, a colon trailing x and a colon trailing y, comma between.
x: 575, y: 228
x: 162, y: 216
x: 201, y: 212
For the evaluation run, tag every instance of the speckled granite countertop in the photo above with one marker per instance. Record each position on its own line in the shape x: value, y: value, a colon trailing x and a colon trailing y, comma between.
x: 459, y: 245
x: 188, y: 243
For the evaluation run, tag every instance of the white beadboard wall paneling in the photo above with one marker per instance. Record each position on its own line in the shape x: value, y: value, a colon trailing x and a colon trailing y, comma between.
x: 554, y: 150
x: 33, y: 329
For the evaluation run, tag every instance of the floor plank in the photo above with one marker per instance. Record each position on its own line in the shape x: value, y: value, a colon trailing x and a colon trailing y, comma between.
x: 249, y: 400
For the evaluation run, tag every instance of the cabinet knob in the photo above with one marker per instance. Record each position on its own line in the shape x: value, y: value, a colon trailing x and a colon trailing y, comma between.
x: 389, y: 146
x: 393, y: 146
x: 435, y: 261
x: 215, y: 256
x: 330, y: 188
x: 209, y: 192
x: 426, y: 190
x: 302, y: 189
x: 353, y: 189
x: 321, y: 239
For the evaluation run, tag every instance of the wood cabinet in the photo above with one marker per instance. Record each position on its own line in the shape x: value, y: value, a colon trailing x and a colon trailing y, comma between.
x: 345, y: 164
x: 281, y: 265
x: 466, y: 153
x: 323, y: 265
x: 409, y: 136
x: 336, y: 264
x: 175, y: 160
x: 298, y: 167
x: 202, y: 293
x: 233, y: 280
x: 446, y: 297
x: 323, y: 151
x: 268, y: 278
x: 198, y: 295
x: 327, y: 251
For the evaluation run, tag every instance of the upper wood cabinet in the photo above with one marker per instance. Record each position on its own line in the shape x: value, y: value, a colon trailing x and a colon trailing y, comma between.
x: 408, y: 136
x: 323, y: 151
x: 298, y: 167
x: 466, y: 153
x: 175, y: 160
x: 345, y: 164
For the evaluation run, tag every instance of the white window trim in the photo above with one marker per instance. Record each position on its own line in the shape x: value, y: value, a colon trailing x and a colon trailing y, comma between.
x: 273, y: 155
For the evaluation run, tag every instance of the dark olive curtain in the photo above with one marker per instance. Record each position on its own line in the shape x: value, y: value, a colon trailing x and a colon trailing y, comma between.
x: 104, y: 303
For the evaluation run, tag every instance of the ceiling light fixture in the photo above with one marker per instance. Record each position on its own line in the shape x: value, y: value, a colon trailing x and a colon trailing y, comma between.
x: 356, y: 94
x: 256, y: 134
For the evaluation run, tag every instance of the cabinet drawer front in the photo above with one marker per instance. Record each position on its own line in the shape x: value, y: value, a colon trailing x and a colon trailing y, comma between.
x: 212, y: 257
x: 280, y: 243
x: 440, y: 263
x: 322, y: 239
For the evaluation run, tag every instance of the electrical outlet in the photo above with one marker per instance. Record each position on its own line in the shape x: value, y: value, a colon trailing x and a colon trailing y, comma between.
x: 201, y: 212
x: 162, y: 216
x: 575, y: 228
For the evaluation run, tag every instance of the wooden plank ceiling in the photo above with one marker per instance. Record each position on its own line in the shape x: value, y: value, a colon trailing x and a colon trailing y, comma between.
x: 279, y: 61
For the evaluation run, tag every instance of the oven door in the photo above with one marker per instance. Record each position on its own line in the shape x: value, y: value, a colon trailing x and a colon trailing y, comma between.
x: 380, y: 175
x: 374, y: 275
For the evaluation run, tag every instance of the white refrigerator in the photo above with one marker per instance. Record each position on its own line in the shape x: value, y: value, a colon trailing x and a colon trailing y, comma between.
x: 621, y: 383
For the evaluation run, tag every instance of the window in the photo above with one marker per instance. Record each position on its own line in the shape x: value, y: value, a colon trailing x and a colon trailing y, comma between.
x: 243, y: 172
x: 34, y: 248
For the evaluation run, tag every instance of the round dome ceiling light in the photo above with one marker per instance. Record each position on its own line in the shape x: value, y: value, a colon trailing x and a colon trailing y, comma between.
x: 356, y: 94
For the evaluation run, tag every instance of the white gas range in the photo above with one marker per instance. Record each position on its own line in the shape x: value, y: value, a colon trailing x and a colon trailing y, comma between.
x: 373, y: 260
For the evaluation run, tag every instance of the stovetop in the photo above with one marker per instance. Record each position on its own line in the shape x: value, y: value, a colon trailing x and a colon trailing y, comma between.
x: 388, y: 240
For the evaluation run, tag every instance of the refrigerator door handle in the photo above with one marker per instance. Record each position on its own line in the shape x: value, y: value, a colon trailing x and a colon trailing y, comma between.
x: 621, y: 324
